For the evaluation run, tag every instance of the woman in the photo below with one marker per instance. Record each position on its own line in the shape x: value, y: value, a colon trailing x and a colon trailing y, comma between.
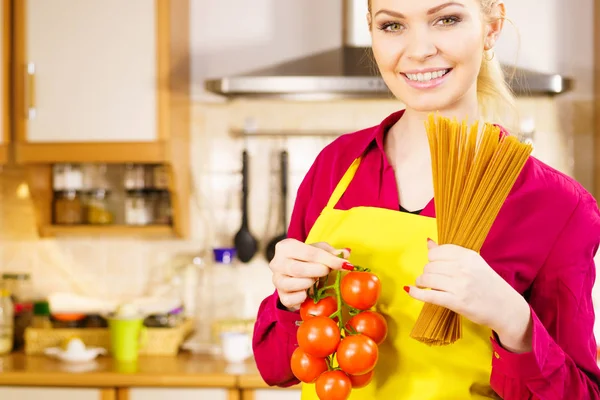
x: 525, y: 299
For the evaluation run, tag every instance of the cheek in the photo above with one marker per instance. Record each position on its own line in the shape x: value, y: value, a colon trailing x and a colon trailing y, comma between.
x: 461, y: 47
x: 386, y: 52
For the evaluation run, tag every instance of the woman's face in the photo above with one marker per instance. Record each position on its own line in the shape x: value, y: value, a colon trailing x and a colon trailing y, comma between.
x: 429, y: 52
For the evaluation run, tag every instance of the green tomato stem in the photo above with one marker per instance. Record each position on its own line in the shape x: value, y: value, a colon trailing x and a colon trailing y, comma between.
x: 338, y: 296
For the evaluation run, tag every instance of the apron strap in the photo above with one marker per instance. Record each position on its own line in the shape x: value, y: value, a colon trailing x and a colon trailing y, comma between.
x: 343, y: 184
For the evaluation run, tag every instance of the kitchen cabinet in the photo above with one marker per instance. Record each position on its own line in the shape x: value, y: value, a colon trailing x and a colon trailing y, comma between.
x: 33, y: 393
x: 102, y: 81
x: 182, y: 394
x: 4, y: 79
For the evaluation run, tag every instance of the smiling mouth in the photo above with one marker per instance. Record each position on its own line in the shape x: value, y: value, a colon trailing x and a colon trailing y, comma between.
x: 427, y: 76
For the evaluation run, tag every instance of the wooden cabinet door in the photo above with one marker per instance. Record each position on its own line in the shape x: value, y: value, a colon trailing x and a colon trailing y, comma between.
x: 179, y: 394
x: 89, y: 70
x: 35, y: 393
x: 4, y: 78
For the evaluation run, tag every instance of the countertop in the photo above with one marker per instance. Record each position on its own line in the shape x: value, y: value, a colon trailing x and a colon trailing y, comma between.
x: 184, y: 370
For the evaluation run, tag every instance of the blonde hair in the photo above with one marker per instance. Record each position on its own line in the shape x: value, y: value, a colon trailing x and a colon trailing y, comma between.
x: 494, y: 95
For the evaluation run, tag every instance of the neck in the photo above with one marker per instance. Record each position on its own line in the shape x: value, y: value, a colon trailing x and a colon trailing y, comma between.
x: 410, y: 129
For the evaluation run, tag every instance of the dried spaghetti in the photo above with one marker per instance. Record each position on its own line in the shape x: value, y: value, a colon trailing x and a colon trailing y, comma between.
x: 473, y: 173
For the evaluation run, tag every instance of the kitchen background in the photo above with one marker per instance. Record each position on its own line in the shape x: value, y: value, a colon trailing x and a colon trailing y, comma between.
x: 232, y: 37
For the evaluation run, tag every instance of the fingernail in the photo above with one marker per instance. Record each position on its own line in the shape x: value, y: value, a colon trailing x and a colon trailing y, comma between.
x: 407, y: 289
x: 429, y: 240
x: 347, y: 266
x: 348, y: 249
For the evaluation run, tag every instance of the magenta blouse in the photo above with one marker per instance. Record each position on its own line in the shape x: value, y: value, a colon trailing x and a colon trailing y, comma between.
x: 542, y: 243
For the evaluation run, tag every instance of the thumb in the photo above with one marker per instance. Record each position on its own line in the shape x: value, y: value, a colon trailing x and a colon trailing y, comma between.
x: 343, y: 253
x: 431, y: 244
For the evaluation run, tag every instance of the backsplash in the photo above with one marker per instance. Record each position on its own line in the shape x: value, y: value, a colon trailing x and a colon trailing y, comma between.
x: 124, y: 268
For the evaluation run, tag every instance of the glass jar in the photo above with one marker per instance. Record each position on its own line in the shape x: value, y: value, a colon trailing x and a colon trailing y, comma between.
x: 73, y: 177
x: 19, y: 285
x: 138, y: 209
x: 160, y: 177
x: 98, y: 209
x: 7, y: 324
x: 67, y: 208
x: 135, y: 177
x: 163, y: 209
x: 58, y: 177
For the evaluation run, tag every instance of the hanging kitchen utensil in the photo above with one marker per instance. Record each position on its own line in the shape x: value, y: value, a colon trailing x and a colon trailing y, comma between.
x: 245, y: 244
x: 270, y: 252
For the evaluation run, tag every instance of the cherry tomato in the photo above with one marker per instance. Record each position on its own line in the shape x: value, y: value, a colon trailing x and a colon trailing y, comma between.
x: 306, y: 367
x: 318, y: 336
x: 325, y: 307
x: 371, y: 324
x: 333, y: 385
x: 360, y: 381
x: 360, y: 290
x: 357, y: 354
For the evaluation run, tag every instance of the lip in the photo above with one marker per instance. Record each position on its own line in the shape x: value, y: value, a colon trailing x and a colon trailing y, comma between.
x: 426, y: 85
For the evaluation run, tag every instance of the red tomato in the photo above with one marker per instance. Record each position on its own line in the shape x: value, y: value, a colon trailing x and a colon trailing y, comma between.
x: 333, y: 385
x: 306, y: 367
x: 318, y: 336
x: 325, y: 307
x: 357, y: 354
x: 371, y: 324
x: 359, y: 381
x: 360, y: 290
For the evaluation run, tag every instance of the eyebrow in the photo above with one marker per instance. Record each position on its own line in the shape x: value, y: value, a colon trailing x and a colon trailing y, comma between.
x: 429, y: 12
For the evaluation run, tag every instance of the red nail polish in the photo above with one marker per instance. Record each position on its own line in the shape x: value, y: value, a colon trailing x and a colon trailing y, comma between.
x: 347, y: 266
x: 429, y: 240
x: 348, y: 249
x: 406, y: 289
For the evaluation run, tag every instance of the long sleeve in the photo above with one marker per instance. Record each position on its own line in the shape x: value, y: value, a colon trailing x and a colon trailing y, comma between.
x: 274, y: 338
x: 562, y: 364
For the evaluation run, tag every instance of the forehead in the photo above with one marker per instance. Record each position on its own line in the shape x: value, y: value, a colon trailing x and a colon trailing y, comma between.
x: 417, y: 6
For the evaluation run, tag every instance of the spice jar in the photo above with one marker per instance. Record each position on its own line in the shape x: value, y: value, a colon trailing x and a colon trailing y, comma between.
x: 163, y: 209
x: 67, y: 208
x: 160, y: 177
x: 98, y: 211
x: 135, y: 177
x: 138, y: 209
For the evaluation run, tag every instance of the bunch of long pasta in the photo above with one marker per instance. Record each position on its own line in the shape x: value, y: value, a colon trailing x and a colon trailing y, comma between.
x: 473, y: 173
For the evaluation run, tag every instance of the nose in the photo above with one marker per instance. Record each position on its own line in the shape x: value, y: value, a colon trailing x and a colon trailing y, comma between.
x: 420, y: 44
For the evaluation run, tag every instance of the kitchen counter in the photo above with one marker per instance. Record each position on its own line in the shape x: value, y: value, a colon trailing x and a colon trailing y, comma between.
x: 185, y: 370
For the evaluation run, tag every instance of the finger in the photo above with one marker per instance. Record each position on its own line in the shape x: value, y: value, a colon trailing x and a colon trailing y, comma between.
x: 292, y: 300
x: 303, y: 269
x: 436, y: 297
x: 447, y: 268
x: 445, y: 252
x: 345, y: 252
x: 303, y: 252
x: 290, y: 284
x: 436, y: 282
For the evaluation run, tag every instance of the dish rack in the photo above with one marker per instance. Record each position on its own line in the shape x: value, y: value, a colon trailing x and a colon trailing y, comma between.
x: 159, y: 341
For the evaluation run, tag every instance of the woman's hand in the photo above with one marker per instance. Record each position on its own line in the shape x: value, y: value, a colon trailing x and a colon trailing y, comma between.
x: 296, y: 267
x: 463, y: 282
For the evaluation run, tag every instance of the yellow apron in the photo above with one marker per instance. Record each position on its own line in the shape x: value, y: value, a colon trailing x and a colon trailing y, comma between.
x: 393, y: 245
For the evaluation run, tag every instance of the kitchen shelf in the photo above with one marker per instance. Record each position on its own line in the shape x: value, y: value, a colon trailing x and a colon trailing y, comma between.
x: 107, y: 230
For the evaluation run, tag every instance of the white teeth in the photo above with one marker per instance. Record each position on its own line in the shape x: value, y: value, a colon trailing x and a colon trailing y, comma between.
x: 426, y: 77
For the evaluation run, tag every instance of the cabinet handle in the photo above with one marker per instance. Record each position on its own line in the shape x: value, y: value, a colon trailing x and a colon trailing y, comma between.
x: 30, y: 111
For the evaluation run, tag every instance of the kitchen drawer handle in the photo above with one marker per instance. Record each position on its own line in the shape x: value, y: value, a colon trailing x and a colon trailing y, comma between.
x: 30, y: 105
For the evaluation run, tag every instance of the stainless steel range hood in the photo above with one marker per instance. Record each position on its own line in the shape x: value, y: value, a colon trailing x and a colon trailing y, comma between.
x: 350, y: 72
